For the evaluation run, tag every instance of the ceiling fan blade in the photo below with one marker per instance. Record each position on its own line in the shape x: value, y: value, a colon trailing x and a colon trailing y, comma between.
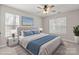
x: 39, y: 11
x: 53, y: 10
x: 39, y: 7
x: 52, y: 6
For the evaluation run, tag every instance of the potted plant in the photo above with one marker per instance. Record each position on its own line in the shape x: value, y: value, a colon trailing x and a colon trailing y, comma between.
x: 76, y: 33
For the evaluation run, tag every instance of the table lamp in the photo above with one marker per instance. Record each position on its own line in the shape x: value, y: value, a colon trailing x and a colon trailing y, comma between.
x: 14, y: 32
x: 40, y: 29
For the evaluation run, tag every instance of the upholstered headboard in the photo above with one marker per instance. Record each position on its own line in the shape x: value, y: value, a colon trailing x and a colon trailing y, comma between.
x: 19, y: 29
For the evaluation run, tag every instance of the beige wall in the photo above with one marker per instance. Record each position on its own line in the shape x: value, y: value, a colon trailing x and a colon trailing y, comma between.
x: 72, y: 19
x: 0, y: 18
x: 4, y: 9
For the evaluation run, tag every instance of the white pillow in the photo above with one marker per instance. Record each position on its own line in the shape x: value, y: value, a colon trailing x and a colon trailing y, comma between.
x: 22, y: 34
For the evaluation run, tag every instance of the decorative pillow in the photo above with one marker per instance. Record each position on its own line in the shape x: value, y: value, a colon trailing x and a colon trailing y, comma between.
x: 27, y: 33
x: 35, y: 32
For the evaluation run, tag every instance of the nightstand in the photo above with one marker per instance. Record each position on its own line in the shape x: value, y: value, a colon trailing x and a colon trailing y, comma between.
x: 12, y: 41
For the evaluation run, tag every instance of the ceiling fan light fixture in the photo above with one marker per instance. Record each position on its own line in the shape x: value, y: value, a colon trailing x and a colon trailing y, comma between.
x: 45, y: 12
x: 46, y: 8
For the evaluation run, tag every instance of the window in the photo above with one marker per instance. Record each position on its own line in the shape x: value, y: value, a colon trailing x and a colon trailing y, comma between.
x: 58, y: 25
x: 11, y: 23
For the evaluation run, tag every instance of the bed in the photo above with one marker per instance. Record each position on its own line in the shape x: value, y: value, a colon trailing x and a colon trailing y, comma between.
x: 46, y: 48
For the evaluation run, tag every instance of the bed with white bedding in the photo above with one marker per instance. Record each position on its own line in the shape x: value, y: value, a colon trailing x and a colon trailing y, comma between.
x: 45, y: 49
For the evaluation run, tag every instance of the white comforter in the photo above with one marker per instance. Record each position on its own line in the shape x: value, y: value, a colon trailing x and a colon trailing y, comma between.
x: 46, y: 48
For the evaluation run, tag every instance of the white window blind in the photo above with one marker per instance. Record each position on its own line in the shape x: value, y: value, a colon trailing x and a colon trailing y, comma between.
x: 11, y: 23
x: 57, y: 26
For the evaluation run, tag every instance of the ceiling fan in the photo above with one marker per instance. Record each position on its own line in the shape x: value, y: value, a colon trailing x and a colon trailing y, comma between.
x: 47, y: 8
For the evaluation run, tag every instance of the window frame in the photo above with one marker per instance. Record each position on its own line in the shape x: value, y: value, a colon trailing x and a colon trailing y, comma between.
x: 14, y: 24
x: 55, y: 19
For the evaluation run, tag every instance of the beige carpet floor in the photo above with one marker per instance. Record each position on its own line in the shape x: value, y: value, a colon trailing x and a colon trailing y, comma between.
x: 16, y: 50
x: 67, y: 48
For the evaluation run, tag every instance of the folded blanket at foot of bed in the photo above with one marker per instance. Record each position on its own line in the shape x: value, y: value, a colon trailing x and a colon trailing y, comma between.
x: 35, y: 45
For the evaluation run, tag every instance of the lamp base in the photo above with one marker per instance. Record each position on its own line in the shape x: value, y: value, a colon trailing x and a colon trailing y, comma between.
x: 13, y: 35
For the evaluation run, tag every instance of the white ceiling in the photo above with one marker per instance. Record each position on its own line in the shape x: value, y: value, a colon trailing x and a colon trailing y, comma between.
x: 32, y: 8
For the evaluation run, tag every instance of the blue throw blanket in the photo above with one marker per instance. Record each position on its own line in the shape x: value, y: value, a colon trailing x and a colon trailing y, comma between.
x: 34, y: 45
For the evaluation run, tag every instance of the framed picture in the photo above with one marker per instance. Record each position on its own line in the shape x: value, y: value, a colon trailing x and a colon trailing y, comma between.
x: 27, y: 21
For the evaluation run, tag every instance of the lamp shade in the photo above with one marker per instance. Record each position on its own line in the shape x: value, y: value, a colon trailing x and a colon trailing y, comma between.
x: 14, y: 31
x: 41, y: 29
